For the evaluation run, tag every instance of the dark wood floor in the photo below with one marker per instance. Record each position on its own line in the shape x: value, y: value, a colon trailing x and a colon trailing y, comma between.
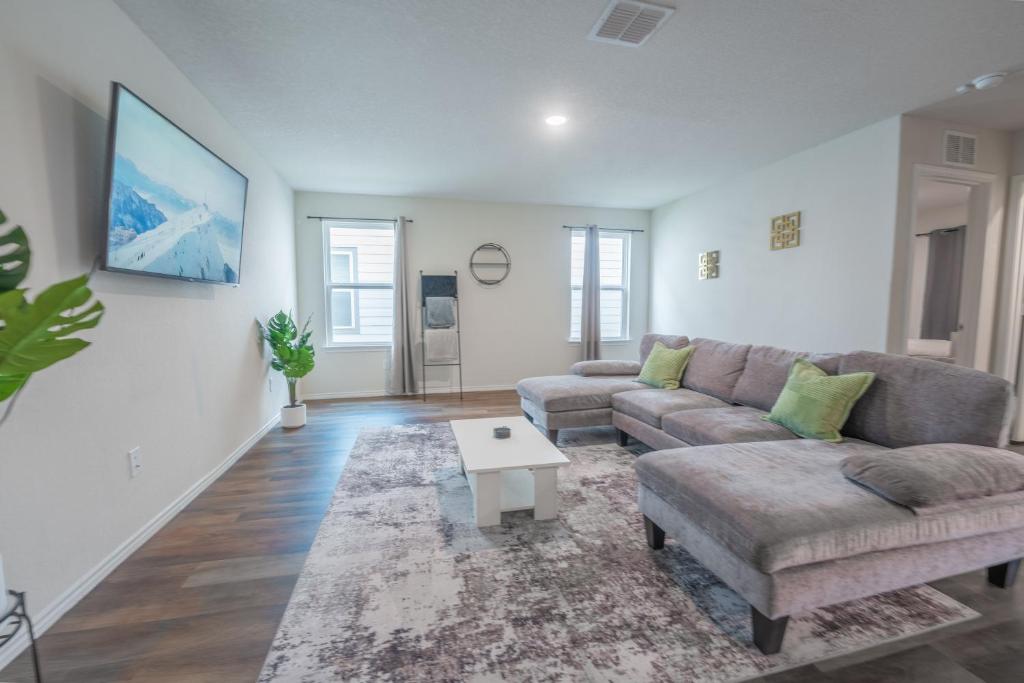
x: 201, y: 601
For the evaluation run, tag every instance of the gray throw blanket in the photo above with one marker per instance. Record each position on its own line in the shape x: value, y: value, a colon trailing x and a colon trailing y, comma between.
x: 440, y: 312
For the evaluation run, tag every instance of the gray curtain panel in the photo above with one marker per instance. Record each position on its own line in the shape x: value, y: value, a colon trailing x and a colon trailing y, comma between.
x: 941, y: 314
x: 590, y: 319
x: 401, y: 377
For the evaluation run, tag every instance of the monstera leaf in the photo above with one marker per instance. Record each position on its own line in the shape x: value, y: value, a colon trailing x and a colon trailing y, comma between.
x: 300, y: 364
x: 14, y: 257
x: 37, y: 334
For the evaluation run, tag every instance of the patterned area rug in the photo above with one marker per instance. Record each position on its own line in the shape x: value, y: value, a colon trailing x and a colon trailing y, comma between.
x: 400, y: 585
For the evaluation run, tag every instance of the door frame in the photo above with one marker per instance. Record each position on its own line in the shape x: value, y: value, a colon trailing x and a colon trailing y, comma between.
x: 980, y: 284
x: 1013, y: 359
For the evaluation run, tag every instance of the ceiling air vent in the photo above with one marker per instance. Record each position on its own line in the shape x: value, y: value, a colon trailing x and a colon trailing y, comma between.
x: 959, y: 149
x: 629, y: 22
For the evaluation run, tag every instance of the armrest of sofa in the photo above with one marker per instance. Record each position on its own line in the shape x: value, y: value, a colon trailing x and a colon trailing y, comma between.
x: 592, y: 368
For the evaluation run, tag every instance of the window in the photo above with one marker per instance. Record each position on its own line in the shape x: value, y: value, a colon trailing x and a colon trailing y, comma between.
x: 359, y: 282
x: 614, y: 258
x: 343, y: 310
x: 342, y: 261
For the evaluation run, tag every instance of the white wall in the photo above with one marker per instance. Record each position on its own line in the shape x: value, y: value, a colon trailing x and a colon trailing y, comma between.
x: 174, y: 367
x: 514, y: 330
x: 829, y: 294
x: 1017, y: 153
x: 921, y: 143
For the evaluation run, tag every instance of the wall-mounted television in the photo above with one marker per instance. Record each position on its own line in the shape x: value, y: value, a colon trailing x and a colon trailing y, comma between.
x: 174, y: 208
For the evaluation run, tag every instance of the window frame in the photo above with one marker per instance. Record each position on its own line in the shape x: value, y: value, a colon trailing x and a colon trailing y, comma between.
x: 627, y: 246
x: 353, y: 307
x: 330, y: 285
x: 347, y: 251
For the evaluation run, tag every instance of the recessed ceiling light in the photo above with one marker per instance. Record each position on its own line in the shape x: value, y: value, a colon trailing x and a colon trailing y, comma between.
x: 556, y: 120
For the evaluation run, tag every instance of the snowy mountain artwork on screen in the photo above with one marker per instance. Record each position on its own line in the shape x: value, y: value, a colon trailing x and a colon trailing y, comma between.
x: 175, y: 208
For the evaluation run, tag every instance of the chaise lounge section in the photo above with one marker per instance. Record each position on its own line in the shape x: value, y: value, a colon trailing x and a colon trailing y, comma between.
x: 583, y: 398
x: 773, y: 515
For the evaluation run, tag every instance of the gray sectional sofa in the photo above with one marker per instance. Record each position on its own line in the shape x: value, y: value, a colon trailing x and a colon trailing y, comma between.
x: 772, y: 514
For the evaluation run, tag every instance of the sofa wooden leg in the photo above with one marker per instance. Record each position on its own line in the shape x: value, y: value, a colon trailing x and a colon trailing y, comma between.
x: 528, y: 416
x: 768, y: 633
x: 655, y: 534
x: 623, y: 437
x: 553, y: 436
x: 1004, y: 575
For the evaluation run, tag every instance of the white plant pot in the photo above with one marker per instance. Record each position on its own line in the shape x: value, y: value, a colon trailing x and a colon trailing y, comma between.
x: 293, y: 416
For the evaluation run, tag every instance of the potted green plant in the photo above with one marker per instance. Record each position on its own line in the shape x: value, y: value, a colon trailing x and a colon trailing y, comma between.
x: 293, y: 357
x: 36, y: 334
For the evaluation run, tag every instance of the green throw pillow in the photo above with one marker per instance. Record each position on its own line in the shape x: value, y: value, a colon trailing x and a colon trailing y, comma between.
x: 815, y: 404
x: 664, y: 367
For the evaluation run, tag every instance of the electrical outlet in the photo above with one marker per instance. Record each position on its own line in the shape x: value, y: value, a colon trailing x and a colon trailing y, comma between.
x: 134, y: 462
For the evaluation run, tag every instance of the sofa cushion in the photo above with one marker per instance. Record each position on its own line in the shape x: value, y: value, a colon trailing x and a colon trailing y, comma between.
x: 566, y: 419
x: 723, y: 425
x: 915, y: 401
x: 651, y: 437
x: 937, y: 474
x: 573, y: 392
x: 785, y: 503
x: 649, y: 405
x: 766, y: 370
x: 715, y: 367
x: 671, y: 341
x: 599, y: 368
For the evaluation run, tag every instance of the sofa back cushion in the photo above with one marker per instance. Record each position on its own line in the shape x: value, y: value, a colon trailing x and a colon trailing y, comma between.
x: 671, y: 341
x: 715, y: 367
x: 766, y: 372
x: 916, y: 401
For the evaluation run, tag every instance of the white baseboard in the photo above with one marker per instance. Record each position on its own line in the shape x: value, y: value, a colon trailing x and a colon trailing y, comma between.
x: 344, y: 394
x: 381, y: 393
x: 48, y: 616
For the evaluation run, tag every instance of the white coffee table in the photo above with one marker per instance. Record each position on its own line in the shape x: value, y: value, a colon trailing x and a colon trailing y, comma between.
x: 517, y: 473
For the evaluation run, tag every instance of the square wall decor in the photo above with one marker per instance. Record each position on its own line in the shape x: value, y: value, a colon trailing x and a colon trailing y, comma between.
x: 786, y: 231
x: 707, y: 265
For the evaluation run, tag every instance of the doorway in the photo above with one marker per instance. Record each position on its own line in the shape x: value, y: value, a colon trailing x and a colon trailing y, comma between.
x: 1013, y: 368
x: 937, y: 252
x: 951, y: 300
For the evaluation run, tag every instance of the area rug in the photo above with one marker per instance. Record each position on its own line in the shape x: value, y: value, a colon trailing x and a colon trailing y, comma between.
x: 400, y: 585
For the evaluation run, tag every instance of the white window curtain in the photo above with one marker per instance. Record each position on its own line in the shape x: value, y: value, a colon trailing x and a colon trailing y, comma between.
x: 590, y: 312
x: 401, y: 379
